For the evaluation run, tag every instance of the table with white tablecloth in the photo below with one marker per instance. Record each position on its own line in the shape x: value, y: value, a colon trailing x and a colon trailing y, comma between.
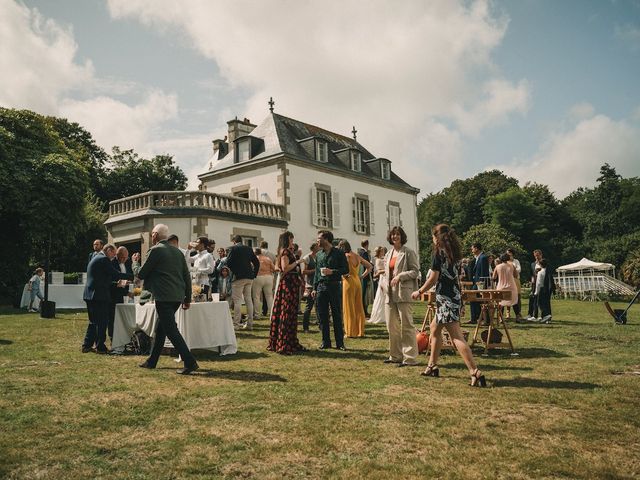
x: 206, y: 325
x: 65, y: 296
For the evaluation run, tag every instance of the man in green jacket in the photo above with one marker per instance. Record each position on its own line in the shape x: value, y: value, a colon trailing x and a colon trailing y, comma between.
x: 167, y: 277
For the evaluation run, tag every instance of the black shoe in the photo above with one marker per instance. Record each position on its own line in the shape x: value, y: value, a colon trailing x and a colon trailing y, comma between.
x: 323, y: 347
x: 146, y: 364
x: 188, y: 370
x: 403, y: 364
x: 87, y: 349
x: 389, y: 360
x: 102, y: 351
x: 341, y: 347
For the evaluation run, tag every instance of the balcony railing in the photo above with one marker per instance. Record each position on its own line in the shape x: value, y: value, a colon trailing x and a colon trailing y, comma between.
x: 196, y: 199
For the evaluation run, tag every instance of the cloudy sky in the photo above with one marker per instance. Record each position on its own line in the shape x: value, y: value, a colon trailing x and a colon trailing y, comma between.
x: 545, y: 90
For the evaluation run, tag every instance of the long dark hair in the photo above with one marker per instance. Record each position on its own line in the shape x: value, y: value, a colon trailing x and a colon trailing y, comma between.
x: 283, y: 244
x: 447, y: 242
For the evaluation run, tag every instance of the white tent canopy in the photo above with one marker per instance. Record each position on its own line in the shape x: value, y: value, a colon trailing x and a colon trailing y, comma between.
x: 586, y: 264
x: 586, y: 279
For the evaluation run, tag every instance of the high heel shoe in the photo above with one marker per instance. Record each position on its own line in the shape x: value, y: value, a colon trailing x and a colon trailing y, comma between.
x: 477, y: 379
x: 431, y: 371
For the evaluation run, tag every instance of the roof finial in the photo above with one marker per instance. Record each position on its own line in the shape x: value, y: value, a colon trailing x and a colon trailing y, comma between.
x: 354, y: 131
x: 271, y: 104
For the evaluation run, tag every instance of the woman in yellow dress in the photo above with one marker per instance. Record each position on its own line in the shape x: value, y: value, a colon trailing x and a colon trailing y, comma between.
x: 352, y: 309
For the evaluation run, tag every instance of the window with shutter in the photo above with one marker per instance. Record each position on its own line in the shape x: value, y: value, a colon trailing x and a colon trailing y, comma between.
x: 361, y: 215
x: 372, y: 223
x: 335, y: 209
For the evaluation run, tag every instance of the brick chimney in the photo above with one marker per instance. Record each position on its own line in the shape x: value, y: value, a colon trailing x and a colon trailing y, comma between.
x: 220, y: 148
x: 238, y: 128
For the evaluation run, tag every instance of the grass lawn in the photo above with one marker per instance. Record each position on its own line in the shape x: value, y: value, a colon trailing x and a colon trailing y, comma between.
x: 566, y: 407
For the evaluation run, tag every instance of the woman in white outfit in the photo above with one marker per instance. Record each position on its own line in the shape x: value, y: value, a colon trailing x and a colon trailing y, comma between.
x: 377, y: 311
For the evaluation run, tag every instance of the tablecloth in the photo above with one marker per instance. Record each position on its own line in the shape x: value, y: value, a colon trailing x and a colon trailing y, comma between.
x: 206, y: 325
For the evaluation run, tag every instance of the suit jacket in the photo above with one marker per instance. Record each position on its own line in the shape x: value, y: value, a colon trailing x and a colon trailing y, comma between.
x: 481, y: 268
x: 406, y: 269
x: 165, y: 274
x: 118, y: 293
x: 100, y: 276
x: 243, y: 262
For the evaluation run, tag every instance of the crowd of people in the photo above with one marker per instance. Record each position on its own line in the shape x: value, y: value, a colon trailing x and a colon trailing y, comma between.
x: 337, y: 281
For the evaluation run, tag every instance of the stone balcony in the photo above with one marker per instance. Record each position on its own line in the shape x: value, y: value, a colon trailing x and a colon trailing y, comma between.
x: 196, y: 200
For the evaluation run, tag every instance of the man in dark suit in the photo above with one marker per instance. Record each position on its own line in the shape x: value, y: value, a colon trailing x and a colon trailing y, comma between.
x: 244, y: 265
x: 166, y: 276
x: 97, y: 248
x: 480, y: 274
x: 97, y: 295
x: 122, y: 264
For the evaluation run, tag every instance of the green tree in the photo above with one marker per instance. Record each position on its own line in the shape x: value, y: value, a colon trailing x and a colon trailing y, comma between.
x: 129, y: 174
x: 493, y: 237
x: 631, y: 269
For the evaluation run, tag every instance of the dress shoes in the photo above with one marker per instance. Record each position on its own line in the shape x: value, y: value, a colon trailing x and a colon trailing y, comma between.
x: 188, y: 370
x: 390, y: 360
x: 87, y: 349
x: 146, y: 364
x: 404, y: 364
x: 324, y: 347
x: 102, y: 351
x: 342, y: 347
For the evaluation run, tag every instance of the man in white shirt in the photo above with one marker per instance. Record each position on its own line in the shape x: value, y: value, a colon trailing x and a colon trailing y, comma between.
x: 202, y: 264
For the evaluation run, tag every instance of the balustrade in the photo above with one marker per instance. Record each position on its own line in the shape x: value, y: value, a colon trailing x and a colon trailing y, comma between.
x: 196, y: 199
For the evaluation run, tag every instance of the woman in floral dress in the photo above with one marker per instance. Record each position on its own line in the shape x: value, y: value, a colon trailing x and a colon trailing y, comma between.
x: 445, y: 268
x: 283, y: 337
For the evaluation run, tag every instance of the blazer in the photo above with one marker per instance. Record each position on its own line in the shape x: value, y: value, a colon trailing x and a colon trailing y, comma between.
x: 406, y: 269
x: 100, y: 276
x: 165, y: 274
x: 481, y: 268
x: 243, y: 262
x: 118, y: 293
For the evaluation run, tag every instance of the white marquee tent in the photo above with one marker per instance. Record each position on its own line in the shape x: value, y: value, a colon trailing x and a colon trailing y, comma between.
x: 586, y: 279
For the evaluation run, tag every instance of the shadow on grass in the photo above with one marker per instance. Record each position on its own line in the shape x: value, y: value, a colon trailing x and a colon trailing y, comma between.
x: 241, y: 376
x: 349, y: 353
x: 5, y: 342
x: 534, y: 352
x: 209, y: 355
x: 538, y: 383
x: 489, y: 367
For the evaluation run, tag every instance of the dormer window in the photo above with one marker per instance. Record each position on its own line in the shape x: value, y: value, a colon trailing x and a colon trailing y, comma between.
x: 385, y: 170
x: 322, y: 151
x: 356, y: 161
x: 244, y: 150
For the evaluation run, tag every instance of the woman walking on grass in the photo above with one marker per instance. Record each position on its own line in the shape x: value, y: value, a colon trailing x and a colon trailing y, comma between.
x: 445, y: 267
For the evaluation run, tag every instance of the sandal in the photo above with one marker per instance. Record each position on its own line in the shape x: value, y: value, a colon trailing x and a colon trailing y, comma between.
x: 431, y: 371
x: 477, y: 379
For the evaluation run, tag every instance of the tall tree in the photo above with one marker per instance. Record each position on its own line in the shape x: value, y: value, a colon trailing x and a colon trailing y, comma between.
x: 130, y: 174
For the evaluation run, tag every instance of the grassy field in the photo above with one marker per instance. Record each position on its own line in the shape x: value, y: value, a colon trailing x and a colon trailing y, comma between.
x: 566, y: 407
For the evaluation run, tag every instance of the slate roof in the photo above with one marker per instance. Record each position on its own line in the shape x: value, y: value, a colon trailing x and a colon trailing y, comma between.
x: 281, y: 135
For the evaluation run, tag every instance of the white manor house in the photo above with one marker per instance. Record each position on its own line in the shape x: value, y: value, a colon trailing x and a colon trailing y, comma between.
x: 280, y: 175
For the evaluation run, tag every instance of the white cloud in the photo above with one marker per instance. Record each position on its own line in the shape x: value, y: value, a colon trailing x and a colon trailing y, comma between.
x: 41, y: 73
x: 36, y: 60
x: 394, y: 69
x: 115, y: 123
x: 572, y: 158
x: 501, y: 99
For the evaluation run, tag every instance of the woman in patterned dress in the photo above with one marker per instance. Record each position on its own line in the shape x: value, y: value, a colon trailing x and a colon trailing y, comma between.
x: 445, y: 268
x: 283, y: 337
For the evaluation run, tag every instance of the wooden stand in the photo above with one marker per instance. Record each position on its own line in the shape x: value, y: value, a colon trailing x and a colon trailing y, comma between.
x: 490, y: 309
x: 447, y: 343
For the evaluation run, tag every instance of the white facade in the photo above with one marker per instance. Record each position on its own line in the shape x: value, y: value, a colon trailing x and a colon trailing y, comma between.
x: 302, y: 184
